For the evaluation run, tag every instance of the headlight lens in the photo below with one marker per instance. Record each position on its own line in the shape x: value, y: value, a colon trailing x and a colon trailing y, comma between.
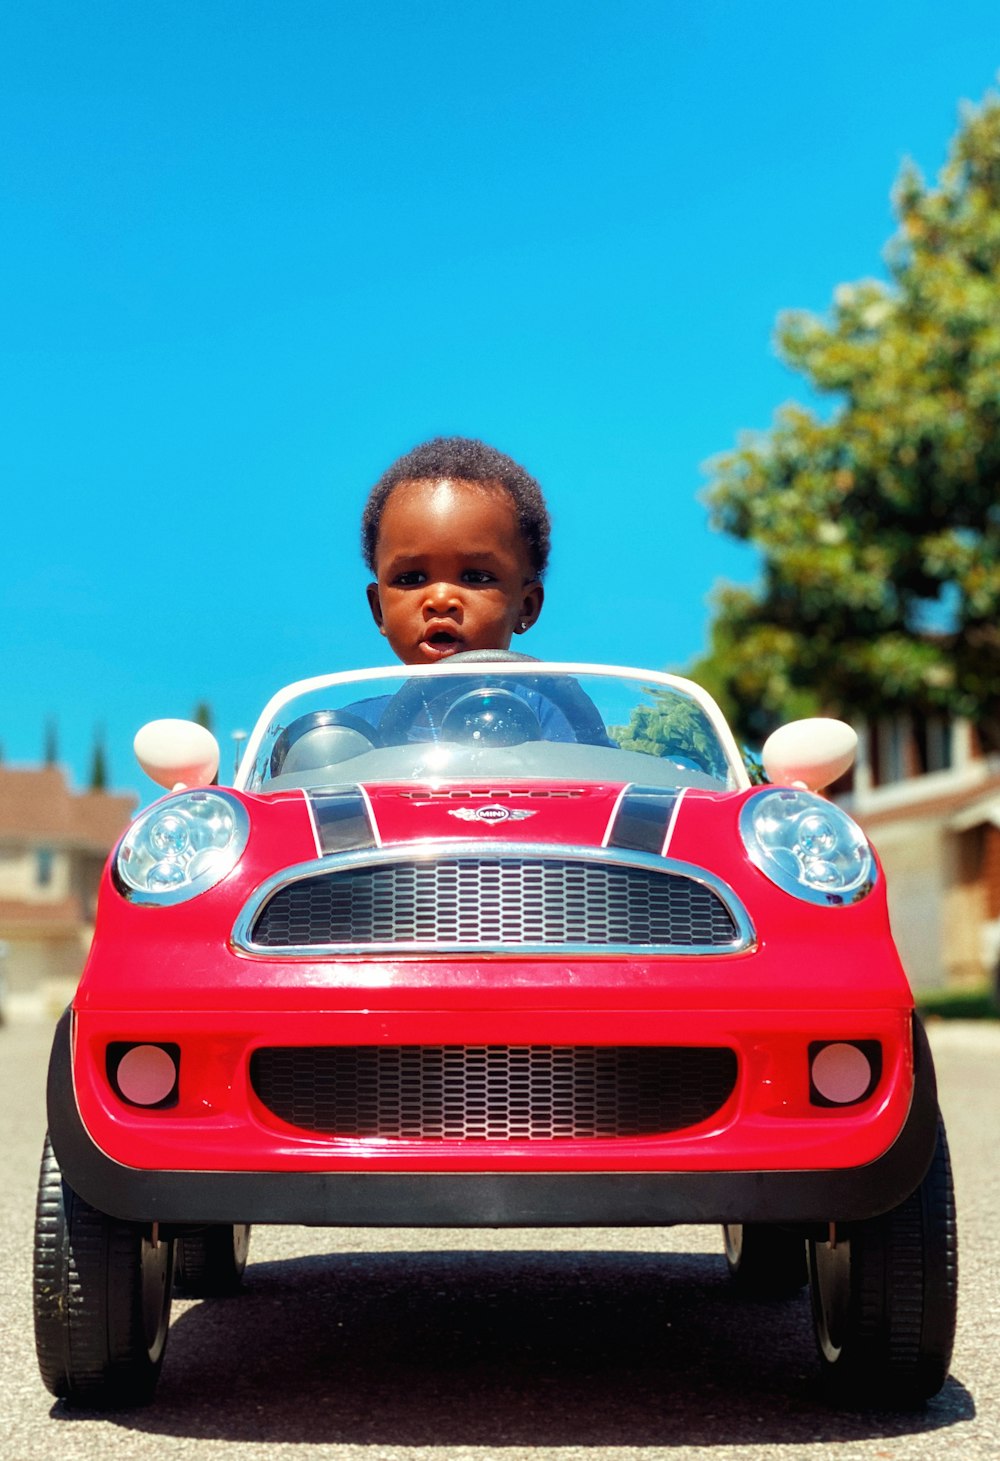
x: 182, y: 846
x: 808, y: 846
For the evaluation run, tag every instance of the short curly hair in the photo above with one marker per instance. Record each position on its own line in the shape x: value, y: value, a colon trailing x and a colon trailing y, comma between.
x: 466, y: 459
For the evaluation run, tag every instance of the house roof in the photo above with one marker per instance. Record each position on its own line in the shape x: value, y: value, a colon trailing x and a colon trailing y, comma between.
x: 36, y: 804
x: 969, y: 804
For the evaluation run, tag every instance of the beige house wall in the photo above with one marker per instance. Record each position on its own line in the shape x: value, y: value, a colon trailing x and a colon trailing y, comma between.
x: 916, y: 882
x: 83, y: 880
x: 19, y: 880
x: 937, y: 900
x: 965, y: 906
x: 39, y: 963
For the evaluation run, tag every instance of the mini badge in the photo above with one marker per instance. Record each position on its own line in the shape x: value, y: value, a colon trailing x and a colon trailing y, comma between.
x: 490, y: 813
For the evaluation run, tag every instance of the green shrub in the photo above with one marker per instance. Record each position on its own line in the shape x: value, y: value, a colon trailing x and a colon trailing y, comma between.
x: 958, y: 1004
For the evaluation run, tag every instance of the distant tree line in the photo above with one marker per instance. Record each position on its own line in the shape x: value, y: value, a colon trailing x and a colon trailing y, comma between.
x: 98, y: 779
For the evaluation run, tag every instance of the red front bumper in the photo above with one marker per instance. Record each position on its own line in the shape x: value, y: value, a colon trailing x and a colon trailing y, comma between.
x: 493, y: 1194
x: 767, y: 1124
x: 768, y: 1153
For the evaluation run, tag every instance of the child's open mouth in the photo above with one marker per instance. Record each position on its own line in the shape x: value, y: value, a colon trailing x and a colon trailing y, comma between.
x: 442, y: 642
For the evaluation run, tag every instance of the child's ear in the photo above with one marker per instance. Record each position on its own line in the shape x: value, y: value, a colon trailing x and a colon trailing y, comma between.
x: 531, y: 606
x: 375, y: 604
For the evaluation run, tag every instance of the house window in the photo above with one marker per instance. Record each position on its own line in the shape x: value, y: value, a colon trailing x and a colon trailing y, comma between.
x: 43, y: 867
x: 905, y: 747
x: 934, y: 742
x: 892, y: 744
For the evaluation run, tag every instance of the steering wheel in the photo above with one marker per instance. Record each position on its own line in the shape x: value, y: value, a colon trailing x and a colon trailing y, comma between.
x: 338, y: 735
x: 421, y: 694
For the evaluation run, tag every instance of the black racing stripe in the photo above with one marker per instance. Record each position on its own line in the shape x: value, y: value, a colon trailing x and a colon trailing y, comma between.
x: 642, y: 819
x: 342, y: 821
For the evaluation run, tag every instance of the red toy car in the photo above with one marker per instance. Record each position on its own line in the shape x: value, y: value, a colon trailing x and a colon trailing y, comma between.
x: 494, y: 942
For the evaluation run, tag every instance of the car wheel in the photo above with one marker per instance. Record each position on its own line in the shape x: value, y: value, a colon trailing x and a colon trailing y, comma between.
x: 765, y: 1261
x: 102, y: 1291
x: 210, y: 1261
x: 884, y: 1294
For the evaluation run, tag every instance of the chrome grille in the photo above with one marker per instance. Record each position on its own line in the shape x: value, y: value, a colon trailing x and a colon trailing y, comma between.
x: 468, y: 902
x: 493, y: 1092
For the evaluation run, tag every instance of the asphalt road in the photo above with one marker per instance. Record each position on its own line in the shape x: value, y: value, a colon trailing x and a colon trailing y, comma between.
x: 503, y: 1345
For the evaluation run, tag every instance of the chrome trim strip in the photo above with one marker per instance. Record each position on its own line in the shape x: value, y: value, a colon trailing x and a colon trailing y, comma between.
x: 431, y: 849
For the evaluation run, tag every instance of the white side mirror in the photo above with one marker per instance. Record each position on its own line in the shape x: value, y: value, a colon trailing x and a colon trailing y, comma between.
x: 177, y: 753
x: 809, y: 753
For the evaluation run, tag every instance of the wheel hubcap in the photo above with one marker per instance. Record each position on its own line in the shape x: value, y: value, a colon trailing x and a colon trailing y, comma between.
x: 732, y: 1237
x: 157, y: 1275
x: 241, y: 1245
x: 830, y: 1290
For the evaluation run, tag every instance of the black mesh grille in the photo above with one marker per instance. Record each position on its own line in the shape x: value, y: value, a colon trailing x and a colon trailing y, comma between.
x: 493, y: 1092
x: 464, y: 901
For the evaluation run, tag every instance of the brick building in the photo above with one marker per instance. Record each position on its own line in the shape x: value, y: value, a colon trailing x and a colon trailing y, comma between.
x: 53, y: 845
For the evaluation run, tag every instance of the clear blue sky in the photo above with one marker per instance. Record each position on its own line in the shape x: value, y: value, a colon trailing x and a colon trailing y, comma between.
x: 250, y: 252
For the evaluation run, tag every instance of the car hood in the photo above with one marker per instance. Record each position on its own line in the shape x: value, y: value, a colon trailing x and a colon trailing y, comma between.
x: 583, y: 815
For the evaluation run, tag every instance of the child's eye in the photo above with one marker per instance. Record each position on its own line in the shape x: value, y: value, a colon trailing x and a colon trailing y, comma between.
x: 477, y: 575
x: 408, y: 580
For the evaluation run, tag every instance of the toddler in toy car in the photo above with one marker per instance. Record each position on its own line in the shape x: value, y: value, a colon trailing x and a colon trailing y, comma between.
x: 457, y: 536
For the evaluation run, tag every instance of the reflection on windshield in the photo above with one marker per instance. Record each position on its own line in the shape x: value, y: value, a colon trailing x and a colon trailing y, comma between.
x: 672, y: 726
x: 491, y: 723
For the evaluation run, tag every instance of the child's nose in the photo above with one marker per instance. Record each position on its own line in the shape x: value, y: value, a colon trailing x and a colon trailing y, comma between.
x: 441, y: 596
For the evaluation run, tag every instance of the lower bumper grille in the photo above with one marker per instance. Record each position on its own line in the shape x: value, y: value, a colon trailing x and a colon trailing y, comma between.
x: 493, y: 1092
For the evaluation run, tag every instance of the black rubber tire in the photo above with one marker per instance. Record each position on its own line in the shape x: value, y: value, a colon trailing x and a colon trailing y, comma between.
x: 765, y: 1262
x: 211, y: 1260
x: 102, y: 1292
x: 884, y: 1296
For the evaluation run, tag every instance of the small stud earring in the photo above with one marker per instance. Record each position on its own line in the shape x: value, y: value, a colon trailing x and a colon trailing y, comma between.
x: 524, y: 625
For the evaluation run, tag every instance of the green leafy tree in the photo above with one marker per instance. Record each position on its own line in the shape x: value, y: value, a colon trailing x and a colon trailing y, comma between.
x: 51, y: 749
x: 879, y: 521
x: 203, y: 715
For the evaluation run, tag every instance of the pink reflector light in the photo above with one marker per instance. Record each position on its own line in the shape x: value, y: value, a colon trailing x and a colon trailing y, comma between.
x: 146, y: 1075
x: 841, y: 1073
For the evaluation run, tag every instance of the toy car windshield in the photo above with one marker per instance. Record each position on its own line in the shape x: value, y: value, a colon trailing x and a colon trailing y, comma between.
x: 498, y: 720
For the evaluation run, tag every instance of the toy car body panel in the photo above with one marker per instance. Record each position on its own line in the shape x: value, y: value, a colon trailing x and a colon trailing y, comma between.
x: 503, y: 943
x: 525, y: 927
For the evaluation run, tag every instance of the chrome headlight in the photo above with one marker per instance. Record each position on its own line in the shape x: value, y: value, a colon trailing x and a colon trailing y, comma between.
x: 182, y: 846
x: 808, y: 846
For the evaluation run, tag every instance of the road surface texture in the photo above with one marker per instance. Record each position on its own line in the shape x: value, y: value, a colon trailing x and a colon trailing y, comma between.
x: 562, y: 1344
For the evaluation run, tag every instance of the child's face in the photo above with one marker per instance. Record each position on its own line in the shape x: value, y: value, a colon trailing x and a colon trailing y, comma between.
x: 453, y: 571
